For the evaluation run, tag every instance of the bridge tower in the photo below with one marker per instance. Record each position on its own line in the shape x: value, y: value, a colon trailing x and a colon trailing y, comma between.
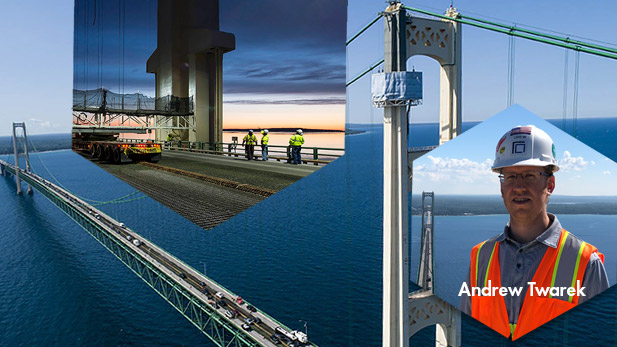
x: 24, y: 140
x: 442, y: 41
x: 425, y: 308
x: 403, y: 313
x: 188, y: 62
x: 425, y: 268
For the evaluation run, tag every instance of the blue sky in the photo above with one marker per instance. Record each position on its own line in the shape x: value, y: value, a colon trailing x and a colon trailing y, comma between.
x: 539, y: 69
x: 463, y: 165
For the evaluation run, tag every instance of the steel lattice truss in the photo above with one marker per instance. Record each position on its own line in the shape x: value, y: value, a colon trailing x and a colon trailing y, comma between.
x: 205, y: 318
x: 87, y: 120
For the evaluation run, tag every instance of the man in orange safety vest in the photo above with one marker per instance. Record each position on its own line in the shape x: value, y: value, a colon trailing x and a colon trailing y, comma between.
x: 535, y: 270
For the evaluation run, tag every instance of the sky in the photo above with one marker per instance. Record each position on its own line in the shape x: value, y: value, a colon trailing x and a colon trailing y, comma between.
x: 37, y: 62
x: 538, y: 69
x: 463, y: 165
x: 288, y: 68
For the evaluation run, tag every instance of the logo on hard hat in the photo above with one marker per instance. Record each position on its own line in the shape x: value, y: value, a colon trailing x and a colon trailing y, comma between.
x: 499, y: 144
x: 501, y: 150
x: 554, y: 156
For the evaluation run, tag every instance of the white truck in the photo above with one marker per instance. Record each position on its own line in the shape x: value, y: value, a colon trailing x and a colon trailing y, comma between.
x: 293, y: 335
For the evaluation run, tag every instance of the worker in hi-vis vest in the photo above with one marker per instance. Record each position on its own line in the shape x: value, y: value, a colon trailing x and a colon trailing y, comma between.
x: 265, y: 138
x: 170, y: 138
x: 296, y: 142
x: 535, y: 270
x: 249, y: 141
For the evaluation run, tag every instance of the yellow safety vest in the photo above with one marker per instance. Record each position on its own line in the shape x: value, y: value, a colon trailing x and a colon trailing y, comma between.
x: 265, y: 139
x: 296, y: 140
x: 250, y: 139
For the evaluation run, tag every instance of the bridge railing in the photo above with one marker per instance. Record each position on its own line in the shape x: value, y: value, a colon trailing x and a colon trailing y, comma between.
x: 313, y: 155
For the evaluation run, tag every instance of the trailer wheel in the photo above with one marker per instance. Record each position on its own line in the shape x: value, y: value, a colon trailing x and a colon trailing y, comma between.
x: 93, y: 151
x: 99, y: 151
x: 109, y: 154
x: 116, y: 155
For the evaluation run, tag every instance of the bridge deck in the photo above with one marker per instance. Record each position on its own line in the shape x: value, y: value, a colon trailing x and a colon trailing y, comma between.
x: 202, y: 202
x: 190, y: 292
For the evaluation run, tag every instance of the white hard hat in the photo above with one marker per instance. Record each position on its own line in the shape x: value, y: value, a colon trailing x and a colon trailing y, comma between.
x: 299, y: 131
x: 265, y: 131
x: 250, y: 131
x: 525, y: 146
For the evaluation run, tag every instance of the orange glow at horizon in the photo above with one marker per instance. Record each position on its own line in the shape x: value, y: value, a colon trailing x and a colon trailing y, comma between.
x: 238, y: 116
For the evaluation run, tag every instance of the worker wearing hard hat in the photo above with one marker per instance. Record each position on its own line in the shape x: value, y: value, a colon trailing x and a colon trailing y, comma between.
x: 170, y: 138
x: 535, y: 270
x: 296, y: 142
x: 265, y: 138
x: 249, y: 141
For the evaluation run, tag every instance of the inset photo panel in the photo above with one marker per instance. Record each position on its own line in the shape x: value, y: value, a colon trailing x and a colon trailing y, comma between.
x: 521, y: 218
x: 239, y: 99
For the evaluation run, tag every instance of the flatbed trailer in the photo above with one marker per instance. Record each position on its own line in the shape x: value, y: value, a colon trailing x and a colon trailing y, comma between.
x: 119, y: 152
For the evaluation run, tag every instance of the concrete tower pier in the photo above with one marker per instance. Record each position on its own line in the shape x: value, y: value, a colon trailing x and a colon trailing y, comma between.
x: 188, y: 62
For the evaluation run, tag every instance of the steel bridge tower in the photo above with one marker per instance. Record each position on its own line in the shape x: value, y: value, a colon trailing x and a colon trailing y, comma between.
x: 405, y: 314
x: 188, y: 62
x: 425, y: 268
x: 24, y: 140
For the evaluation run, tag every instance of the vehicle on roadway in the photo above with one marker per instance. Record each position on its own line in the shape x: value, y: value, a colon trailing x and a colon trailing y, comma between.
x: 136, y: 242
x: 293, y: 335
x: 108, y: 147
x: 219, y: 295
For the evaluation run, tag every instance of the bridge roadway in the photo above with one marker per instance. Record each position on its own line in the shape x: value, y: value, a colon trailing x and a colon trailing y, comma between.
x: 207, y: 203
x: 221, y: 303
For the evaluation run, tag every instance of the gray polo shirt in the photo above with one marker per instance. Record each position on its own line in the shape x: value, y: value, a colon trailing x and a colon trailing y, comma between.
x: 518, y: 264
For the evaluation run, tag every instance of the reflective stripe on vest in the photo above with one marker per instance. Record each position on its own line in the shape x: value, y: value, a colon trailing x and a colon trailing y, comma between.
x: 296, y: 140
x: 250, y: 140
x: 265, y: 139
x: 560, y: 267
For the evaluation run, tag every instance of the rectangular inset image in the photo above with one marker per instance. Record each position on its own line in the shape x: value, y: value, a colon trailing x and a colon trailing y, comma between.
x: 211, y: 93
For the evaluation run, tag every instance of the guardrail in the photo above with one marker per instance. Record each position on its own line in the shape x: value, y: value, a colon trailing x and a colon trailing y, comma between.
x: 312, y: 155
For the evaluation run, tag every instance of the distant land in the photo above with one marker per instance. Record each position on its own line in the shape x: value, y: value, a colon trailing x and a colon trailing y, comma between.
x: 472, y: 205
x: 288, y: 130
x: 40, y: 143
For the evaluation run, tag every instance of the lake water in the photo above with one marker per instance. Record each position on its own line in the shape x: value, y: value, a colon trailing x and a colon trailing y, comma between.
x: 310, y: 252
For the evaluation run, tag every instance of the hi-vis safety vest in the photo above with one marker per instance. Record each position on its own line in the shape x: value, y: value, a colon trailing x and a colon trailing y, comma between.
x: 250, y: 139
x: 296, y: 140
x: 560, y: 267
x: 265, y: 139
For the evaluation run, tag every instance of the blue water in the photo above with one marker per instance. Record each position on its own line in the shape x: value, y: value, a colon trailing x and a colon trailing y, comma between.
x: 311, y: 252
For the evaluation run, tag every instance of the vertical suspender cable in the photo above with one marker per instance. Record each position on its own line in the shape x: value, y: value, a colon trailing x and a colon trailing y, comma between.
x: 575, y: 103
x: 119, y: 48
x: 565, y: 91
x: 87, y: 50
x: 511, y: 55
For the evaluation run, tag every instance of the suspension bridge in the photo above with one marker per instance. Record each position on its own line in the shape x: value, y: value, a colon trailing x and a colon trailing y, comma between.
x: 409, y: 32
x: 223, y: 316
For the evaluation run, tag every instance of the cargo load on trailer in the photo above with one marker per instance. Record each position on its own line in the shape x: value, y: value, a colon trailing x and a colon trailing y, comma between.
x: 109, y: 148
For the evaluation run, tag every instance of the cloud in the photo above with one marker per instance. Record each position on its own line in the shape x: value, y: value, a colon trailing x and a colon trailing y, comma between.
x: 606, y: 172
x: 41, y: 123
x: 456, y: 170
x: 568, y: 162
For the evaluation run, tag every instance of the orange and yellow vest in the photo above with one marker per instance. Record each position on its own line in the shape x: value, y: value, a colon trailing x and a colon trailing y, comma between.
x: 560, y: 267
